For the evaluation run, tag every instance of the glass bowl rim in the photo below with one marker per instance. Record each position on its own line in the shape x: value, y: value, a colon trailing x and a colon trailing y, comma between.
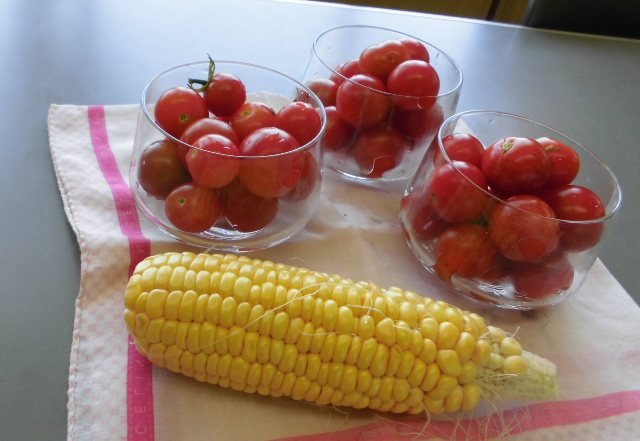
x: 455, y: 89
x: 300, y: 149
x: 616, y: 196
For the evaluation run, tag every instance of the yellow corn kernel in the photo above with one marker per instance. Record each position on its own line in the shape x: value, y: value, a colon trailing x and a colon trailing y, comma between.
x: 447, y: 335
x: 366, y: 327
x: 429, y: 328
x: 465, y: 346
x: 508, y: 345
x: 444, y: 387
x: 386, y: 332
x: 431, y: 377
x: 453, y: 402
x: 468, y: 372
x: 343, y: 343
x: 448, y: 362
x: 380, y: 360
x: 328, y: 347
x: 242, y: 314
x: 514, y: 364
x: 199, y: 311
x: 471, y: 396
x: 429, y: 351
x: 481, y: 353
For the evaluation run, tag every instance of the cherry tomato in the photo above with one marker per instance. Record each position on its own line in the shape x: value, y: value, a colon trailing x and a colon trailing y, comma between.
x: 417, y: 51
x: 453, y: 193
x: 246, y: 211
x: 524, y: 228
x: 424, y: 220
x: 360, y: 103
x: 338, y: 134
x: 378, y: 150
x: 224, y: 94
x: 308, y: 181
x: 414, y: 78
x: 418, y: 123
x: 380, y: 59
x: 161, y: 169
x: 539, y: 281
x: 564, y: 162
x: 460, y: 147
x: 345, y: 70
x: 252, y: 116
x: 464, y: 250
x: 212, y: 162
x: 324, y: 89
x: 576, y: 203
x: 177, y: 108
x: 273, y: 173
x: 192, y: 208
x: 300, y: 120
x: 206, y: 126
x: 515, y: 166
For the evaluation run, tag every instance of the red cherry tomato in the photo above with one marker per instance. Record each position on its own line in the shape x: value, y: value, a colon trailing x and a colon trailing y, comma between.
x: 360, y: 102
x: 252, y: 116
x: 161, y: 169
x: 378, y: 150
x: 345, y: 70
x: 212, y: 162
x: 464, y: 250
x: 461, y: 147
x: 300, y: 120
x: 206, y: 126
x: 177, y: 108
x: 338, y: 134
x: 576, y: 203
x: 417, y: 51
x: 414, y: 78
x: 453, y: 193
x: 515, y: 166
x: 424, y: 220
x: 564, y: 162
x: 308, y: 181
x: 273, y: 172
x: 225, y: 94
x: 417, y: 124
x: 192, y: 208
x: 324, y: 89
x: 524, y: 228
x: 380, y: 59
x: 539, y: 281
x: 246, y: 211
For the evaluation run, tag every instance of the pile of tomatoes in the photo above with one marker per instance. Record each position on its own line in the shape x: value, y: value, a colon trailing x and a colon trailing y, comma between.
x: 380, y: 104
x: 496, y: 214
x: 243, y: 160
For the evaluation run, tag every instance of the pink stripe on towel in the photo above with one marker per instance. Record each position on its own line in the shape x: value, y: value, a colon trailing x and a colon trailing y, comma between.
x: 139, y: 374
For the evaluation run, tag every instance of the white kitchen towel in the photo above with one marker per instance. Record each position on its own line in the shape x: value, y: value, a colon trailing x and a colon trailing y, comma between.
x: 115, y: 394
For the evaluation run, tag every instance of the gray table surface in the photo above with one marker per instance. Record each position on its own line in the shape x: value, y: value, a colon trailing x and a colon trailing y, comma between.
x: 103, y: 52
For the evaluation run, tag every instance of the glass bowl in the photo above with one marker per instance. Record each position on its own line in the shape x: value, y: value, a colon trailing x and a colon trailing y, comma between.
x: 376, y: 132
x: 504, y: 218
x: 249, y: 201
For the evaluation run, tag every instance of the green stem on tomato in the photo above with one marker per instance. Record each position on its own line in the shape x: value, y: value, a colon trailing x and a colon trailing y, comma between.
x: 202, y: 83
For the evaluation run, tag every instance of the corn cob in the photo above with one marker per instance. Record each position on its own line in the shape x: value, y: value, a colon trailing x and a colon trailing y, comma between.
x: 278, y: 330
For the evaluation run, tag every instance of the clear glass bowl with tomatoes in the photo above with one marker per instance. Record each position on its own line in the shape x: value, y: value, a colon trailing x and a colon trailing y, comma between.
x: 508, y: 210
x: 226, y: 156
x: 385, y: 94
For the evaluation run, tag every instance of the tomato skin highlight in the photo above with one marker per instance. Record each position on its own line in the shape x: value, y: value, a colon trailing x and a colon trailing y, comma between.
x: 414, y: 78
x: 177, y: 108
x: 577, y: 203
x: 515, y: 166
x: 205, y: 126
x: 524, y: 228
x: 460, y: 147
x: 360, y: 103
x: 464, y: 250
x: 192, y: 208
x: 417, y: 51
x: 345, y: 70
x: 211, y: 162
x: 300, y: 120
x: 380, y: 59
x: 270, y: 176
x: 161, y: 169
x: 245, y: 211
x: 251, y: 117
x: 225, y: 94
x: 564, y: 162
x: 453, y: 197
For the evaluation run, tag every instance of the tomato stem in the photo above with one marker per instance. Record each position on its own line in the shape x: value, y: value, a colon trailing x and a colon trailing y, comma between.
x: 203, y: 83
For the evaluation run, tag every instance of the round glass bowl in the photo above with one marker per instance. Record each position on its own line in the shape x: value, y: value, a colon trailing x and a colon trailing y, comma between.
x: 492, y: 227
x: 250, y: 202
x: 374, y: 136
